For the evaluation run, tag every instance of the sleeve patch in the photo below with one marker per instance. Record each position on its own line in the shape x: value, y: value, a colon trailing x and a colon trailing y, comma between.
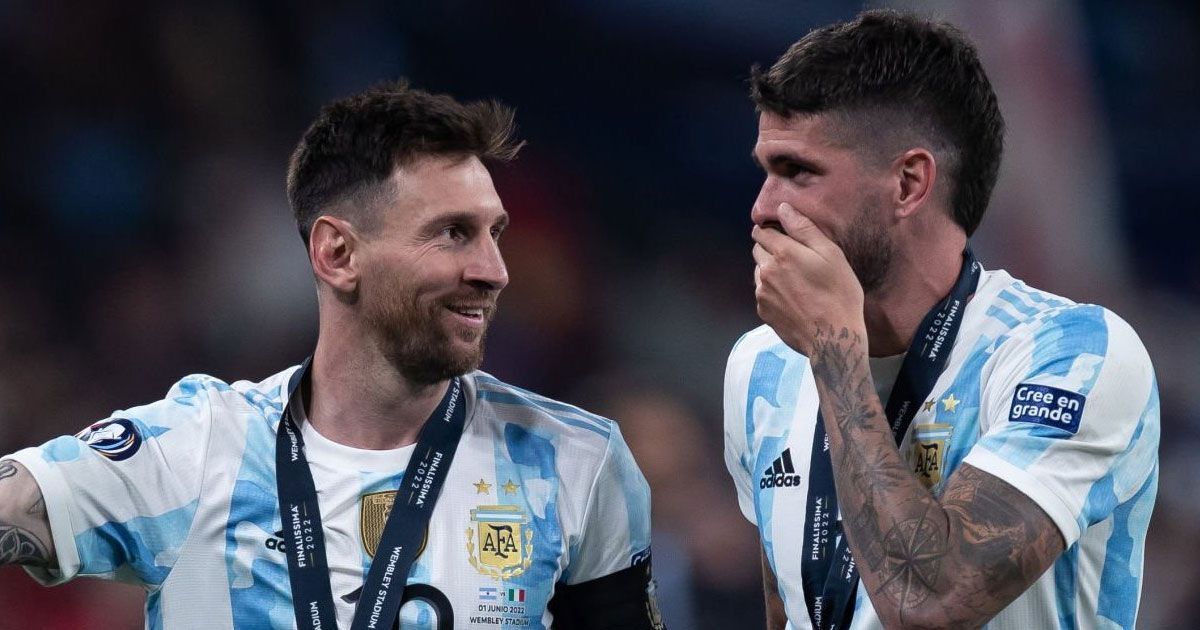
x: 117, y: 438
x: 1048, y: 406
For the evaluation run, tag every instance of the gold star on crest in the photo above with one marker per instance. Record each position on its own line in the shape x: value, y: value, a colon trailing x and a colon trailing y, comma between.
x: 510, y: 487
x: 950, y: 403
x: 929, y: 405
x: 482, y: 487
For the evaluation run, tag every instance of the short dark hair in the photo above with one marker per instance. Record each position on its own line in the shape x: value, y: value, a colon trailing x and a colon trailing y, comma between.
x: 904, y: 77
x: 355, y: 144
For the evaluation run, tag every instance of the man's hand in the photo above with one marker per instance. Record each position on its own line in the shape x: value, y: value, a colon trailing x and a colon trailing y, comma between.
x: 803, y: 283
x: 24, y: 526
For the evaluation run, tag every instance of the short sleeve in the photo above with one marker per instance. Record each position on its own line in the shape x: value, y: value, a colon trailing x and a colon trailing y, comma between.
x: 736, y: 446
x: 616, y: 530
x: 121, y: 493
x: 1070, y: 415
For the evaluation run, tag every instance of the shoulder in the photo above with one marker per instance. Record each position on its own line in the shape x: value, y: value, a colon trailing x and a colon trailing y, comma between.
x: 1080, y: 355
x: 758, y: 363
x: 518, y: 414
x: 201, y: 398
x: 267, y: 396
x: 750, y: 344
x: 759, y: 353
x: 1058, y: 335
x: 1032, y: 326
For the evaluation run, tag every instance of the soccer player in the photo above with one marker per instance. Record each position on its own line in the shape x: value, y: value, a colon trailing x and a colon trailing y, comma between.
x: 385, y: 478
x: 922, y: 442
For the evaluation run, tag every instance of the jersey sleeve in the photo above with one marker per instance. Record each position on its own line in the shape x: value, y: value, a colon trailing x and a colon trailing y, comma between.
x: 1070, y: 416
x: 121, y: 494
x: 737, y: 383
x: 616, y: 529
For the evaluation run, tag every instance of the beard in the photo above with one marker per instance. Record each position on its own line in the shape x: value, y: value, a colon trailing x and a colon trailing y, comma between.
x: 868, y: 248
x: 415, y: 338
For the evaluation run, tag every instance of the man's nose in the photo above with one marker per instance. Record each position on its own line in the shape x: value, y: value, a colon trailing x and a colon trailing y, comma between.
x: 766, y: 205
x: 487, y: 266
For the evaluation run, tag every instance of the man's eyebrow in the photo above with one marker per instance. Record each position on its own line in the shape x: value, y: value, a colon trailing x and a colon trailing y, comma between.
x: 782, y: 158
x: 463, y: 216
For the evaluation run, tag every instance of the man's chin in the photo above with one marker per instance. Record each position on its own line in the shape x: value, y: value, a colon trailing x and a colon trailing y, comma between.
x: 433, y: 370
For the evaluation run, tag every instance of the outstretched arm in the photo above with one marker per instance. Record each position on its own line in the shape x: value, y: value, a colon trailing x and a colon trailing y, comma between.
x: 24, y: 526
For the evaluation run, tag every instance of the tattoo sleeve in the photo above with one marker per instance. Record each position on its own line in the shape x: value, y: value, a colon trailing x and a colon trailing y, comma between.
x: 24, y: 525
x: 953, y: 561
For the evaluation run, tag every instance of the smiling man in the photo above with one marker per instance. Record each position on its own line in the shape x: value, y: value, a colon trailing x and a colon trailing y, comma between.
x: 973, y: 450
x: 384, y: 479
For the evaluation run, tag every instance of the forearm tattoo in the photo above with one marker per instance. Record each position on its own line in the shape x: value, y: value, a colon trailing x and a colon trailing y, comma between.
x: 19, y: 545
x: 975, y: 549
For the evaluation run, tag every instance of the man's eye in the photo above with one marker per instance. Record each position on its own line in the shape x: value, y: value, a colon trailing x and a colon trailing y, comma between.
x: 794, y: 170
x: 455, y: 232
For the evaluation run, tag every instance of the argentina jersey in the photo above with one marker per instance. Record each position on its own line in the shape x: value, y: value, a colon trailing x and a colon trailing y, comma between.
x: 179, y: 496
x: 1058, y: 399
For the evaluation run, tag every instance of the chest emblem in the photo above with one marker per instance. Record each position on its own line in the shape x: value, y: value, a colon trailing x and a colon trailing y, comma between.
x: 373, y: 512
x: 929, y: 445
x: 500, y: 541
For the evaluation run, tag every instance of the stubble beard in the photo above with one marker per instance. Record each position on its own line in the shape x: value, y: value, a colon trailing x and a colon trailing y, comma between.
x: 415, y: 340
x: 868, y: 248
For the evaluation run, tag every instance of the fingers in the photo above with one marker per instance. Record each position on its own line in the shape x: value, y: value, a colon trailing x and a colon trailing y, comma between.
x: 761, y: 255
x: 801, y: 229
x: 773, y: 241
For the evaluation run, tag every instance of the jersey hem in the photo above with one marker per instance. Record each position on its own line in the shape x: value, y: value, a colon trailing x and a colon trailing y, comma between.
x: 1055, y: 507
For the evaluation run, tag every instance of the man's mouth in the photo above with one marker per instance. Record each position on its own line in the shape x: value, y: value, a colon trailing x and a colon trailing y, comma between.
x: 472, y: 314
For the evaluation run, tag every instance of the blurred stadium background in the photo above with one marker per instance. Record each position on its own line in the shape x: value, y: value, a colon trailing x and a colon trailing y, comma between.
x: 146, y: 234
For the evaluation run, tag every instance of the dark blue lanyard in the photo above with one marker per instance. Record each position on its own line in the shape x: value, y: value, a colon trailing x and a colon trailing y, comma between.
x: 308, y: 569
x: 828, y: 571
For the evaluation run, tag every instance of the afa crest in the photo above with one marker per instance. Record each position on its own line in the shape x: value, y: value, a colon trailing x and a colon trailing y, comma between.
x: 929, y: 445
x: 500, y: 541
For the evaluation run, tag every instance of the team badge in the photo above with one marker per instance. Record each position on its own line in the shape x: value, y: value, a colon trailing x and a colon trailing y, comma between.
x: 373, y: 512
x: 500, y: 541
x: 929, y: 445
x: 117, y: 439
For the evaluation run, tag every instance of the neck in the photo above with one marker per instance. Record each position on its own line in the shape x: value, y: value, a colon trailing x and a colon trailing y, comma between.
x: 920, y: 277
x: 359, y: 399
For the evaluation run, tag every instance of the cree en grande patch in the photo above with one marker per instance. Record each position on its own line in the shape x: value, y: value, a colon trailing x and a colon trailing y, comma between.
x: 1049, y: 406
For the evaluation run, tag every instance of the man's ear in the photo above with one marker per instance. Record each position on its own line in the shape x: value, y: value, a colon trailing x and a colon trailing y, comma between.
x: 915, y: 174
x: 333, y: 251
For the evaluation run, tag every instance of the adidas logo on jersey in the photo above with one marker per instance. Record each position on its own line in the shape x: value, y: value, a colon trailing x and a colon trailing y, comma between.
x: 781, y: 474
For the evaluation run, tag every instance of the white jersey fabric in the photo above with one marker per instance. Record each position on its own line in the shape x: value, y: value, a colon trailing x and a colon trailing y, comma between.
x: 1056, y: 398
x: 180, y: 496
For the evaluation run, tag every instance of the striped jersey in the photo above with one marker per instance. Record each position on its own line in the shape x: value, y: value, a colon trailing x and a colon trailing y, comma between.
x: 1058, y: 399
x: 180, y: 497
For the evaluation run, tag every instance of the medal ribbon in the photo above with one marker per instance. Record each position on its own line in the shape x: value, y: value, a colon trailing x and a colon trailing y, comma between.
x: 308, y: 568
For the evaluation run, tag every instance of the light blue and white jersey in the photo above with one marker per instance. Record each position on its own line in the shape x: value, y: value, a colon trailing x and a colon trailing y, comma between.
x: 1056, y: 398
x: 180, y: 496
